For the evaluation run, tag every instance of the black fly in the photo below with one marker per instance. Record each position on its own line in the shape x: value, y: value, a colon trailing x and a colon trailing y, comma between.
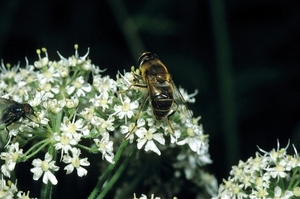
x: 12, y: 111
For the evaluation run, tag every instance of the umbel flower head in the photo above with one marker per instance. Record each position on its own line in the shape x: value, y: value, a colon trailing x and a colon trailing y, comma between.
x: 268, y: 175
x: 79, y: 111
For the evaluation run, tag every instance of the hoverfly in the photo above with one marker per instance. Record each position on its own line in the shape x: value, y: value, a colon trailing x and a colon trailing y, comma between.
x: 162, y: 92
x: 12, y: 111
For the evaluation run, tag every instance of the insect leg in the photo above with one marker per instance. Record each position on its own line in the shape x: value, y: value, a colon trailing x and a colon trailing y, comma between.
x: 136, y: 80
x: 138, y: 115
x: 132, y: 85
x: 8, y: 123
x: 172, y: 113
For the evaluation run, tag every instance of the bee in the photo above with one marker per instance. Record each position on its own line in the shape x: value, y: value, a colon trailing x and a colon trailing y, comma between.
x: 162, y: 91
x: 12, y: 111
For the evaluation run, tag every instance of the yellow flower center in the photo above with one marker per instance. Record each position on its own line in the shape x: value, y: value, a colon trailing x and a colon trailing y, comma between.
x: 45, y: 166
x: 77, y: 84
x: 103, y: 101
x: 75, y: 162
x: 191, y: 132
x: 126, y: 107
x: 149, y: 135
x: 47, y: 74
x: 15, y: 157
x: 72, y: 128
x: 64, y: 140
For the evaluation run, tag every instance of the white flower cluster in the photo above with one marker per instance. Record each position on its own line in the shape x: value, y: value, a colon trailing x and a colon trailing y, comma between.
x: 9, y: 190
x: 79, y: 110
x: 273, y: 174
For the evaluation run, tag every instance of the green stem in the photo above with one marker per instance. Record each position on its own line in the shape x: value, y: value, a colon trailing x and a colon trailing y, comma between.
x: 294, y: 179
x: 92, y: 150
x: 58, y: 120
x: 115, y: 177
x: 43, y: 143
x: 225, y: 82
x: 46, y: 191
x: 107, y: 173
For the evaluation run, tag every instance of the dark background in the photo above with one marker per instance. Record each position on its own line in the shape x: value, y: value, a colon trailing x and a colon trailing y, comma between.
x: 253, y: 45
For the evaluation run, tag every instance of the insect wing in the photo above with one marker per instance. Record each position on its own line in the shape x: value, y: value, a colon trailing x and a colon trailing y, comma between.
x: 6, y: 116
x: 181, y: 103
x: 5, y: 103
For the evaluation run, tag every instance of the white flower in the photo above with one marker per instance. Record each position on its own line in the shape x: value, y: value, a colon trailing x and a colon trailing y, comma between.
x: 128, y: 128
x: 75, y: 162
x: 63, y: 71
x: 104, y: 85
x: 73, y: 129
x: 42, y: 61
x: 103, y: 100
x: 255, y: 177
x: 72, y: 103
x: 126, y: 109
x: 80, y: 86
x: 188, y: 97
x: 44, y: 167
x: 106, y: 148
x: 147, y: 137
x: 195, y: 138
x: 10, y: 158
x: 41, y: 117
x: 50, y: 75
x: 102, y: 124
x: 23, y: 195
x: 87, y: 113
x: 7, y: 189
x: 282, y: 195
x: 54, y: 105
x: 64, y: 142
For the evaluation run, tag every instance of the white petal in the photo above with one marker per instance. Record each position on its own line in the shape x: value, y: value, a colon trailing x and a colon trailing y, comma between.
x: 141, y: 143
x: 84, y: 162
x: 159, y: 138
x: 49, y: 176
x: 69, y: 168
x: 37, y: 173
x: 5, y: 171
x: 81, y: 171
x: 48, y: 157
x: 37, y: 162
x: 141, y: 132
x: 67, y: 159
x: 70, y: 89
x: 151, y: 146
x: 194, y: 145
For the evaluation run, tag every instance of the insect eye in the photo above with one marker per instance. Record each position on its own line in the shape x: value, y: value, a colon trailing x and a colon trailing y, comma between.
x: 146, y: 56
